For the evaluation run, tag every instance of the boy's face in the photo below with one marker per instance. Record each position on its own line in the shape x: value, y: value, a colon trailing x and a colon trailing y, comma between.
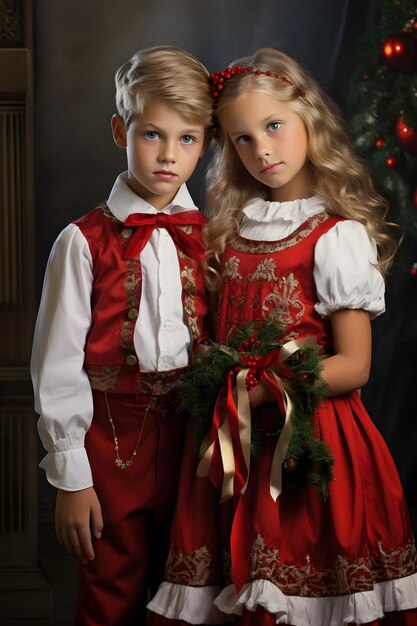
x: 162, y: 149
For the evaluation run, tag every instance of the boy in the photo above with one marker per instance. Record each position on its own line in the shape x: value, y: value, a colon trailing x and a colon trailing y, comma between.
x: 123, y: 304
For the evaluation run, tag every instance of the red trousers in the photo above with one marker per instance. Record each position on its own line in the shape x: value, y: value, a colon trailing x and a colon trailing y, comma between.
x: 137, y: 506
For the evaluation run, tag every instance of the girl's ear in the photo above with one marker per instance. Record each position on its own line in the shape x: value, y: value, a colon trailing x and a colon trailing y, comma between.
x: 119, y: 131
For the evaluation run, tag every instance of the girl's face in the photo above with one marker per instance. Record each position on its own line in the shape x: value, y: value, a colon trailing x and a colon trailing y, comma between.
x: 271, y: 141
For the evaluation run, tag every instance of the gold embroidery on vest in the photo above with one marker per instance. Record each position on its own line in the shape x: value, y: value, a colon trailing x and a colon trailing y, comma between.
x: 103, y: 377
x: 189, y: 291
x: 131, y: 285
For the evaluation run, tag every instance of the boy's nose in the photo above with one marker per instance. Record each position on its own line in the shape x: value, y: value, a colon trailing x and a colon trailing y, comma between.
x: 168, y: 153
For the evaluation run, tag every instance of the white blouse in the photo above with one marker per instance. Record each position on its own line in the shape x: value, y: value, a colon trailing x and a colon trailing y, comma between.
x: 63, y: 396
x: 344, y: 260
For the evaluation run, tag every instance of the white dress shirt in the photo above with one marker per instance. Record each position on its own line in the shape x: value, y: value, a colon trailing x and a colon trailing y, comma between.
x: 162, y: 339
x: 344, y: 260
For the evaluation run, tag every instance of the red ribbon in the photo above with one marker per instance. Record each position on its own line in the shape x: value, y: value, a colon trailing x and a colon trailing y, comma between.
x: 226, y: 456
x: 189, y: 244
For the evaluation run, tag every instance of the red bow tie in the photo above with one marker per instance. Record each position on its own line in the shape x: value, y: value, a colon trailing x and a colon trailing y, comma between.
x: 191, y: 245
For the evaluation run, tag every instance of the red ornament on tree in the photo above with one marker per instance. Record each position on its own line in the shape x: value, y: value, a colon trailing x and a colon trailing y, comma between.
x: 400, y: 52
x: 379, y: 143
x: 406, y: 136
x: 391, y: 162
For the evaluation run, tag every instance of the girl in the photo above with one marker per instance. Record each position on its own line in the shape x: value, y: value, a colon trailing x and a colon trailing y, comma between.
x: 298, y: 232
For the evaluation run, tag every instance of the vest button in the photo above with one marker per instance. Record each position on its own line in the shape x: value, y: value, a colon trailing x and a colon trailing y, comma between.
x: 126, y: 233
x: 131, y: 359
x: 132, y: 314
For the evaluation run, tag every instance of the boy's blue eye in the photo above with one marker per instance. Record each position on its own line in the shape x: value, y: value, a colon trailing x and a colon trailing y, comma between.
x: 151, y: 135
x: 243, y: 139
x: 274, y: 126
x: 187, y: 139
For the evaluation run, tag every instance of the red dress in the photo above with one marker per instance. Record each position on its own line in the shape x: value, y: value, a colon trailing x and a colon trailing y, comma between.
x: 300, y: 560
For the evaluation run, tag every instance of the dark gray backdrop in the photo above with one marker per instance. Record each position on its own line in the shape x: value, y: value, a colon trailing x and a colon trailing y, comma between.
x: 79, y: 45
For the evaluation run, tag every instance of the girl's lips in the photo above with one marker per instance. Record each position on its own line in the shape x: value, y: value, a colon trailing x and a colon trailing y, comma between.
x: 269, y: 169
x: 165, y: 175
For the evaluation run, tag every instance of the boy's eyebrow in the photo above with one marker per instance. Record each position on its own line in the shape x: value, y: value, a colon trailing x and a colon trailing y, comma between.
x: 185, y: 131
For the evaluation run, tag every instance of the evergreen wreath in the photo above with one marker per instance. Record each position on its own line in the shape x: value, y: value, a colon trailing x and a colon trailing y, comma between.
x: 308, y: 460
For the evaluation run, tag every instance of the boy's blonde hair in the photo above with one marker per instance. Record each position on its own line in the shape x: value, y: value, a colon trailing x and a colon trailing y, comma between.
x: 341, y: 179
x: 165, y: 73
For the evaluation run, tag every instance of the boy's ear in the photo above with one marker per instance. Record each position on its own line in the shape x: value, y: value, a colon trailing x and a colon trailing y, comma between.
x: 119, y: 131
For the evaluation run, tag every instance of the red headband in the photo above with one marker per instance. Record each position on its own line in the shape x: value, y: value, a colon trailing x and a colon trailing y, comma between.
x: 217, y: 78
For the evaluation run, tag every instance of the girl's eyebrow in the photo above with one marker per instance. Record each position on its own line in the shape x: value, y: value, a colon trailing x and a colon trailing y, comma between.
x: 267, y: 120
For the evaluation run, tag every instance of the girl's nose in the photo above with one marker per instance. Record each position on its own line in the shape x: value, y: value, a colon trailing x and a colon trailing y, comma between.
x: 261, y: 150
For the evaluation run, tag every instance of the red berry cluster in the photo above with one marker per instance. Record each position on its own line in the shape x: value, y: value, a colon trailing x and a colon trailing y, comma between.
x: 217, y: 78
x: 250, y: 361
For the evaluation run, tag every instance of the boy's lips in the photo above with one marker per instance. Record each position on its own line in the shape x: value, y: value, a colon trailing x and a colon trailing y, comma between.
x: 272, y: 167
x: 165, y: 174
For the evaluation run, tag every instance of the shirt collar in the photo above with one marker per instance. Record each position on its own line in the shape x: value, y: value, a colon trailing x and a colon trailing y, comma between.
x: 293, y: 211
x: 123, y: 201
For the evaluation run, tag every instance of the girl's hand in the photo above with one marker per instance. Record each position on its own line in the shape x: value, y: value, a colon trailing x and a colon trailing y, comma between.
x: 77, y: 517
x: 260, y: 394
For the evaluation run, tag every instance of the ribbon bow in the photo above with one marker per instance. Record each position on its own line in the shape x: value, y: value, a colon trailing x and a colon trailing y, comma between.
x: 190, y: 244
x: 229, y: 449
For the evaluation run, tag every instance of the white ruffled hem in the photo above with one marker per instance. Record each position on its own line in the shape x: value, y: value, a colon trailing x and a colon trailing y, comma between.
x: 191, y: 604
x: 197, y: 605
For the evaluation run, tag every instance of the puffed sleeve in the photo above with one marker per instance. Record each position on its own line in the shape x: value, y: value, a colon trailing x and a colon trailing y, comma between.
x: 63, y: 396
x: 344, y: 272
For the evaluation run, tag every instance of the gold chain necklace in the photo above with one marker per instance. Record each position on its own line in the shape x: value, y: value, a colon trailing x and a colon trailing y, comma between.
x: 119, y: 462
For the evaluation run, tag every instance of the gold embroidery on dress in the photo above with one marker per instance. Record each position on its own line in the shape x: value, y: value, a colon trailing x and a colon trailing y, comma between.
x: 231, y: 268
x: 284, y: 302
x: 264, y: 271
x: 343, y: 578
x: 194, y: 569
x: 268, y: 247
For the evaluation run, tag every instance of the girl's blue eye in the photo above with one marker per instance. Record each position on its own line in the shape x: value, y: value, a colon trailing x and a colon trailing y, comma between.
x: 187, y: 139
x: 243, y: 139
x: 151, y: 135
x: 274, y: 126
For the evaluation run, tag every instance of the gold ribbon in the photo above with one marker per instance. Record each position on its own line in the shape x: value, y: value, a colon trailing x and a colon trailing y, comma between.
x: 224, y: 435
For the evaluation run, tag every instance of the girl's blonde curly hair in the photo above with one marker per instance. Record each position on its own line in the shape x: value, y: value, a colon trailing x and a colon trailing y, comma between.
x: 341, y: 179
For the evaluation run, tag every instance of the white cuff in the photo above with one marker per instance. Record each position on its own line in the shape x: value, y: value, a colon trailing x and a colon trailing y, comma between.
x: 69, y: 470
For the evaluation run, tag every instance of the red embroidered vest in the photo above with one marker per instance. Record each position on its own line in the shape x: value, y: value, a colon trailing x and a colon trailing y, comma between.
x: 274, y: 279
x: 110, y: 357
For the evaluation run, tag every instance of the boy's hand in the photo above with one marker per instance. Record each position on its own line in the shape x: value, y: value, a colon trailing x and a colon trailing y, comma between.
x: 77, y: 517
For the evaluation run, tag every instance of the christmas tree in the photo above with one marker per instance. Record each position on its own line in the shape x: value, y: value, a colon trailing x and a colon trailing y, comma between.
x: 382, y: 98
